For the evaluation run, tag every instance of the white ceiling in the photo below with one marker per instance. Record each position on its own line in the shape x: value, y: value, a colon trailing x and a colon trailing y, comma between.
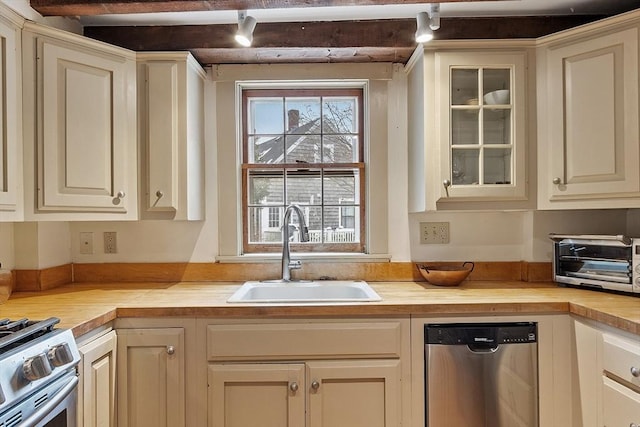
x: 459, y: 9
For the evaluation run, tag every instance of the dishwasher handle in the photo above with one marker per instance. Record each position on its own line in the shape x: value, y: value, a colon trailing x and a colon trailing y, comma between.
x: 483, y: 348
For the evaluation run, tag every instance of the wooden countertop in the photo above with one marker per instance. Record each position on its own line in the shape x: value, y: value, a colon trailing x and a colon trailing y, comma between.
x: 85, y: 306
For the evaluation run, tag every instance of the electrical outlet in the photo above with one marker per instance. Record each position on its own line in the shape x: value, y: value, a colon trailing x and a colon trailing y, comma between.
x: 86, y: 243
x: 110, y: 242
x: 434, y: 233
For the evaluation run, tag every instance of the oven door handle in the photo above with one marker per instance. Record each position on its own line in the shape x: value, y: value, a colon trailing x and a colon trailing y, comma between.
x: 46, y: 409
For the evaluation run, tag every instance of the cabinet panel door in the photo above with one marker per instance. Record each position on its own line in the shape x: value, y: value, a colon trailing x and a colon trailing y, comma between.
x: 621, y: 405
x: 98, y: 382
x: 256, y: 395
x: 82, y: 148
x: 354, y: 393
x: 593, y: 117
x: 10, y: 116
x: 162, y: 140
x: 151, y: 371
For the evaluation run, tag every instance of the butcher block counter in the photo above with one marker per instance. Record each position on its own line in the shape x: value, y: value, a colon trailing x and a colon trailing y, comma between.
x: 85, y: 306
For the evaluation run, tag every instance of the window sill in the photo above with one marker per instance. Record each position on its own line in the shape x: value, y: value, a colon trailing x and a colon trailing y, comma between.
x: 314, y: 257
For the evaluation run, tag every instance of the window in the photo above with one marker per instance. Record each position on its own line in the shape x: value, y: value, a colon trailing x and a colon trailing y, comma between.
x: 304, y: 147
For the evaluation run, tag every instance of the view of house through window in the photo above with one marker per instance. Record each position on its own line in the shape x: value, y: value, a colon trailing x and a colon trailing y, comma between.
x: 304, y: 147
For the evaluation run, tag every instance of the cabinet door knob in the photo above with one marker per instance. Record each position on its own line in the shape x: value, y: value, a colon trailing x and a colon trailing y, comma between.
x: 315, y: 385
x: 446, y: 183
x: 557, y: 181
x: 293, y: 386
x: 635, y: 371
x: 634, y: 425
x: 171, y: 350
x: 159, y: 194
x: 116, y: 200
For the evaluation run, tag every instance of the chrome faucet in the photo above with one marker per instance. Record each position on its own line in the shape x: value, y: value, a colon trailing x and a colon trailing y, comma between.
x: 287, y: 264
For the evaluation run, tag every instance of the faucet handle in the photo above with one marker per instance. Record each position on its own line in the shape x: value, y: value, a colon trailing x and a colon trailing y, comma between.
x: 295, y: 265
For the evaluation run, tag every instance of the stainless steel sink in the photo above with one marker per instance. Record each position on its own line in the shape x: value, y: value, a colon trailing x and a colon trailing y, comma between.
x: 321, y: 291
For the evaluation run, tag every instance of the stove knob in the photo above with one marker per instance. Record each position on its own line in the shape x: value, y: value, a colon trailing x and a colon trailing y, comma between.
x: 36, y: 367
x: 60, y: 355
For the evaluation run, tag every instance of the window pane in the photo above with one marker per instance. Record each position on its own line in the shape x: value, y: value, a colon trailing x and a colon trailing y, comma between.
x: 266, y: 187
x: 303, y: 115
x: 303, y: 149
x: 266, y: 116
x: 266, y: 149
x: 261, y: 225
x: 334, y: 231
x: 340, y: 185
x: 304, y: 187
x: 464, y: 86
x: 339, y: 149
x: 465, y: 167
x: 496, y: 79
x: 497, y: 126
x: 497, y: 166
x: 339, y: 115
x: 464, y: 127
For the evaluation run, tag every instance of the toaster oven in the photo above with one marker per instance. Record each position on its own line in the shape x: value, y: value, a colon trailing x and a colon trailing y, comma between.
x: 603, y: 262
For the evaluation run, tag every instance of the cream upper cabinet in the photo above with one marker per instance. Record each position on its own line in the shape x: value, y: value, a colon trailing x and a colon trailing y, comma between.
x: 171, y: 131
x: 588, y: 149
x: 79, y: 127
x: 468, y: 126
x: 11, y: 203
x: 97, y: 387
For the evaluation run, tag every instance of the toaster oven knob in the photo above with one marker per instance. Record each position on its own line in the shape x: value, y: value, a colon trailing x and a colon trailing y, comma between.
x: 36, y: 367
x: 60, y: 355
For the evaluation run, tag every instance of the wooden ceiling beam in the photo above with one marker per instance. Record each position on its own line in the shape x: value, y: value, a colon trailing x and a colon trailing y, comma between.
x: 100, y: 7
x: 395, y: 34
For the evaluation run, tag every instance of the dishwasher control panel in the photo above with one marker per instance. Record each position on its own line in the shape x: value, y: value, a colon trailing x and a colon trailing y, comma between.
x: 481, y: 333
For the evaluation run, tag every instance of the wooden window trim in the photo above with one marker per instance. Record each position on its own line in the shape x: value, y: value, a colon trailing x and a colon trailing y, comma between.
x: 246, y: 167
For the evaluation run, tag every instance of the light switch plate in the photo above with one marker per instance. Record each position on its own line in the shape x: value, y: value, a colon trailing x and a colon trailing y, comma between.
x: 86, y: 243
x: 434, y: 233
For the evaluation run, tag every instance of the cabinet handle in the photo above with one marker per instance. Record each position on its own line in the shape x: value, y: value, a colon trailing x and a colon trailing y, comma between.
x: 116, y: 200
x: 171, y: 350
x: 635, y: 371
x: 293, y: 386
x: 159, y: 194
x: 446, y: 183
x: 634, y: 425
x: 315, y: 385
x: 557, y: 181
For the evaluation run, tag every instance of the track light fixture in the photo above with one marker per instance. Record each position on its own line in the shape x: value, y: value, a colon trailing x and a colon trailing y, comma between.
x: 246, y: 25
x: 427, y: 23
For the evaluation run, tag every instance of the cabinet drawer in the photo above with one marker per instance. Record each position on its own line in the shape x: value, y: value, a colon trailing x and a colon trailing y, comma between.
x: 304, y: 340
x: 621, y: 357
x: 621, y: 405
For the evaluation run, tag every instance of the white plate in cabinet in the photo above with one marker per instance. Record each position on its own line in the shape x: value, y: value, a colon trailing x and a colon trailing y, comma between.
x: 80, y: 123
x: 588, y: 128
x: 171, y: 128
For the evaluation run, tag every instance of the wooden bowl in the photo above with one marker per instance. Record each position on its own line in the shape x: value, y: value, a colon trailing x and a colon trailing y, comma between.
x: 445, y: 275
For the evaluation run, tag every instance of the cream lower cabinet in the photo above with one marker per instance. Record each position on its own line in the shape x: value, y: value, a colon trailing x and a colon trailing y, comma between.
x: 315, y: 374
x: 588, y: 122
x: 79, y: 127
x: 151, y: 377
x: 349, y: 393
x: 608, y: 376
x: 97, y: 387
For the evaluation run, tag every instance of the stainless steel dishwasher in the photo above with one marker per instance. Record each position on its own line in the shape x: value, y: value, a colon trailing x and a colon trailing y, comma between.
x: 481, y: 374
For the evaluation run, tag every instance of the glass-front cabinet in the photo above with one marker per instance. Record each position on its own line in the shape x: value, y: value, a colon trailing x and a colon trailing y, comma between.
x: 480, y: 102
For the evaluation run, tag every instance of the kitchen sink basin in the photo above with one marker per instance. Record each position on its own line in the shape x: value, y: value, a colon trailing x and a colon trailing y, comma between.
x: 305, y: 292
